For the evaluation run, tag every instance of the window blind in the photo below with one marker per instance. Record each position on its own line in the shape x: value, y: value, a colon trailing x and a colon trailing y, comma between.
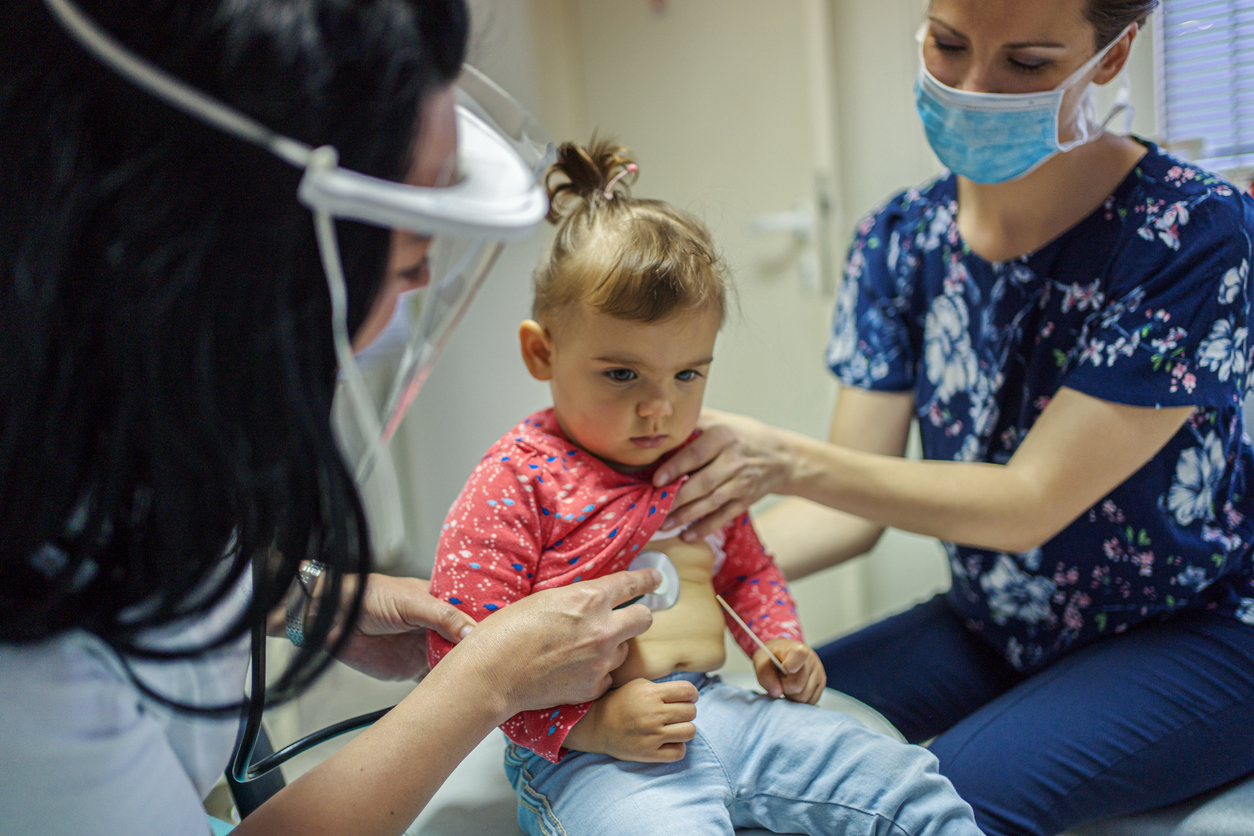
x: 1206, y: 61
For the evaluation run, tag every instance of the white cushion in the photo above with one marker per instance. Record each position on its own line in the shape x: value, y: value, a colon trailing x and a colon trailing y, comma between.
x: 1227, y: 811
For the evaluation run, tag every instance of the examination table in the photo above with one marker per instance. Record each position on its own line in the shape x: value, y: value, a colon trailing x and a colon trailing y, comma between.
x: 477, y: 800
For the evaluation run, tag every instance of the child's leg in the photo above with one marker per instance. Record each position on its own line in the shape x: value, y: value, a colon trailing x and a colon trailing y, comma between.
x: 587, y: 795
x: 801, y: 769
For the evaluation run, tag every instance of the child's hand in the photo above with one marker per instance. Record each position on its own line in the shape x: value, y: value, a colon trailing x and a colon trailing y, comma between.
x: 805, y: 678
x: 648, y: 722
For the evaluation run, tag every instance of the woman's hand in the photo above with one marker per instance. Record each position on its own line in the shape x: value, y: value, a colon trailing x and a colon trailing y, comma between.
x: 804, y: 678
x: 733, y: 463
x: 643, y: 721
x: 558, y: 646
x: 390, y: 640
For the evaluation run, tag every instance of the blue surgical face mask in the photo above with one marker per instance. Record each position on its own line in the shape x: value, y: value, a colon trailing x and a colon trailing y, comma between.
x: 995, y: 137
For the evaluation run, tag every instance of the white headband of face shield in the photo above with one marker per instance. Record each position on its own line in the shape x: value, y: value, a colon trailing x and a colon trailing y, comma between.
x: 497, y: 197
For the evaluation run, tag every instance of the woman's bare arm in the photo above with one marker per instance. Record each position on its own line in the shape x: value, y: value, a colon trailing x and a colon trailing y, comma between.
x: 805, y: 536
x: 1079, y: 450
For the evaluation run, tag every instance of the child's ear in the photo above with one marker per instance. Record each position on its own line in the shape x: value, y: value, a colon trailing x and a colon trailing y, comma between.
x: 537, y: 349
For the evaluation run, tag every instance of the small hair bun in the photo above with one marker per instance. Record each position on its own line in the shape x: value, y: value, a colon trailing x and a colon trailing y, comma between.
x: 584, y: 174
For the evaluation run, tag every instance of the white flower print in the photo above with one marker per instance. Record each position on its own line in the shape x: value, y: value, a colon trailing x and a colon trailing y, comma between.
x: 1193, y: 578
x: 1224, y: 351
x: 1232, y: 283
x: 955, y: 561
x: 938, y: 229
x: 1013, y: 593
x: 1167, y: 225
x: 1122, y: 346
x: 948, y: 355
x: 1082, y: 296
x: 969, y: 451
x: 1245, y: 611
x: 1014, y: 653
x: 1230, y: 542
x: 1192, y: 494
x: 845, y: 332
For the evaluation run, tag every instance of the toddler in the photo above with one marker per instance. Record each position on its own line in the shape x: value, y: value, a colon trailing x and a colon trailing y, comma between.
x: 627, y: 307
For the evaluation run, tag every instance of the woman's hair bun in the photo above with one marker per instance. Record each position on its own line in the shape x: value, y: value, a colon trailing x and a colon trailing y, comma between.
x: 583, y: 174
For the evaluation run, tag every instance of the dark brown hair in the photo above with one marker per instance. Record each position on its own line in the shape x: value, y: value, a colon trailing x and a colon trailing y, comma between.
x: 164, y: 318
x: 1110, y: 17
x: 632, y: 258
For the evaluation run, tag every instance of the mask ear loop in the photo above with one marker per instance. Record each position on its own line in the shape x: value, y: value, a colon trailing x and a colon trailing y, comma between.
x: 1123, y: 105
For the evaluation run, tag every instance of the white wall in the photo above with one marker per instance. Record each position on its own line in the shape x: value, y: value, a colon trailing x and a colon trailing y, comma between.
x: 579, y: 64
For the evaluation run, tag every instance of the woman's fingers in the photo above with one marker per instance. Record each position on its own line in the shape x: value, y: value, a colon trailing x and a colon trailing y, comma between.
x: 425, y: 611
x: 707, y: 524
x: 400, y: 605
x: 703, y: 450
x: 621, y: 587
x: 735, y: 462
x: 558, y: 647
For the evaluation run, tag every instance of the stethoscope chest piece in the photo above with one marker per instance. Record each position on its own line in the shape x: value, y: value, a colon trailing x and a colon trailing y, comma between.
x: 667, y: 593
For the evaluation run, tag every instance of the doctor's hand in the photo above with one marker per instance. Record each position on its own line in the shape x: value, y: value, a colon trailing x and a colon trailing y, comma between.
x: 390, y: 640
x: 804, y: 679
x: 558, y: 646
x: 733, y: 463
x: 643, y: 721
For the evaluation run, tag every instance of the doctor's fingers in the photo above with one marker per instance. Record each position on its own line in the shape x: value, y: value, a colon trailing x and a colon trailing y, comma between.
x: 620, y: 587
x: 402, y: 605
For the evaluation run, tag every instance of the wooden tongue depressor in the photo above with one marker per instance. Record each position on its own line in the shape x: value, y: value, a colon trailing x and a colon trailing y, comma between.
x: 756, y: 640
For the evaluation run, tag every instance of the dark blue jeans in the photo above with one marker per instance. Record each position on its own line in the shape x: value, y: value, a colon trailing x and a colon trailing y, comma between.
x: 1137, y: 721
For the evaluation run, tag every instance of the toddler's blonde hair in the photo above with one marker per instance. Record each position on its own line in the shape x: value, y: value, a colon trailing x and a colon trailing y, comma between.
x: 635, y: 259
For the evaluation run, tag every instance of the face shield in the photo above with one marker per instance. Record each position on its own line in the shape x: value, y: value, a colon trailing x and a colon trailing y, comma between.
x: 494, y: 197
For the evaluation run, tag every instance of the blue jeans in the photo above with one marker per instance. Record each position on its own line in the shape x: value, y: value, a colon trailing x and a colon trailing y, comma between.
x: 755, y: 762
x: 1126, y: 724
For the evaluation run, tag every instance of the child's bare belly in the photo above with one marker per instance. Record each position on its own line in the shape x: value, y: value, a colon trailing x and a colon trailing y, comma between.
x: 688, y: 636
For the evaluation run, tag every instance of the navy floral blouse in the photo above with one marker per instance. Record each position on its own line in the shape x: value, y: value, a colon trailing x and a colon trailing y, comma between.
x: 1146, y: 302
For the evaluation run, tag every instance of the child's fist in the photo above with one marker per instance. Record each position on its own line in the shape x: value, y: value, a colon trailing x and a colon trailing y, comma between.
x: 648, y: 722
x: 803, y: 679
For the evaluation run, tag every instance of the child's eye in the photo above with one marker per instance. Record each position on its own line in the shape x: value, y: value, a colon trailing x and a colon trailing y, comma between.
x: 688, y: 375
x: 621, y: 375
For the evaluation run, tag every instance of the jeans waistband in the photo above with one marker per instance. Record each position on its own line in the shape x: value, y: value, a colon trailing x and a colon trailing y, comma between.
x: 698, y: 679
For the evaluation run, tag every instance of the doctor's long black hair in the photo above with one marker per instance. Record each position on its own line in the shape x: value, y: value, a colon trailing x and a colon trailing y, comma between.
x: 166, y: 363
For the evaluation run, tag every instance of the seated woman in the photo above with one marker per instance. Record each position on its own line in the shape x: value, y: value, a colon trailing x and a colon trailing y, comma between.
x: 1066, y: 314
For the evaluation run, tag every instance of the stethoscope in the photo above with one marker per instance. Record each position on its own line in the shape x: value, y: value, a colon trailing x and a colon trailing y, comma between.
x: 243, y: 770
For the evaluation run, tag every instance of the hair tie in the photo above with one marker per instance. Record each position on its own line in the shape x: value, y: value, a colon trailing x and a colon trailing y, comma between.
x: 609, y: 188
